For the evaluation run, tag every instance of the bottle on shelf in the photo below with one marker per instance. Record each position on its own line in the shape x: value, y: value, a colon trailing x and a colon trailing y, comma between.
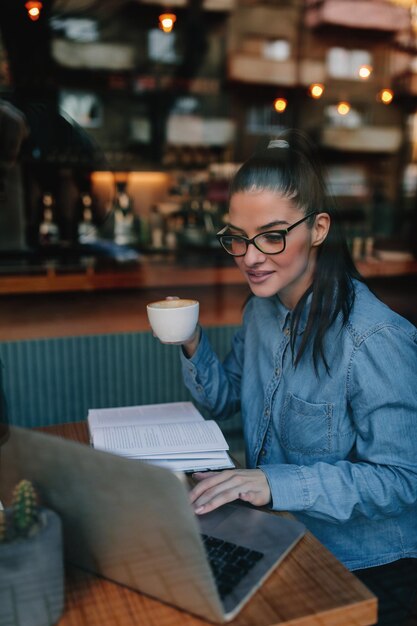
x: 125, y: 224
x: 171, y: 239
x: 48, y: 229
x: 156, y: 225
x: 208, y: 215
x: 87, y: 230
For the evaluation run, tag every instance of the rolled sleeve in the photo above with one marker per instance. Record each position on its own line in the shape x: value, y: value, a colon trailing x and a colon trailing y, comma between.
x: 289, y: 488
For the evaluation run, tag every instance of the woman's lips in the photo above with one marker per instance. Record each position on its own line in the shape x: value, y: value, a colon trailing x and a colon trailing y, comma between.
x: 257, y: 276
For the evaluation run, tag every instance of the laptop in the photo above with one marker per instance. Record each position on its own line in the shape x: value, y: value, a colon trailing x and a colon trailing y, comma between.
x: 132, y: 523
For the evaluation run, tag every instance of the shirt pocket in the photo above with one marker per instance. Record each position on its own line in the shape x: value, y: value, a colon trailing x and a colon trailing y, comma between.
x: 306, y: 427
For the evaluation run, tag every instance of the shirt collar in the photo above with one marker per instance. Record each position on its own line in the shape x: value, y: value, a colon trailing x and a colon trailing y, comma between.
x: 284, y: 314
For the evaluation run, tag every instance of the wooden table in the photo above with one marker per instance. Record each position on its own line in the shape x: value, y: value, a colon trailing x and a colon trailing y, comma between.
x: 310, y: 588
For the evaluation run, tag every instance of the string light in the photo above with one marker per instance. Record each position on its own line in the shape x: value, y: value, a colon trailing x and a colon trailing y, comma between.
x: 167, y: 21
x: 365, y: 71
x: 33, y: 8
x: 280, y: 104
x: 343, y: 108
x: 386, y: 96
x: 316, y: 90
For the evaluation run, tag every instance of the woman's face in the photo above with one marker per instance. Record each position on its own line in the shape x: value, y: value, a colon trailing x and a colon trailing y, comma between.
x: 289, y: 273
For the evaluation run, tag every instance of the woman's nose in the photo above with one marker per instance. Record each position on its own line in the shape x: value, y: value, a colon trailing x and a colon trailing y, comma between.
x: 253, y: 256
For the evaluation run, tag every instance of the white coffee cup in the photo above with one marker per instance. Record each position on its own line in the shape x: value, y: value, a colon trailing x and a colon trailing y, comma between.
x: 173, y: 320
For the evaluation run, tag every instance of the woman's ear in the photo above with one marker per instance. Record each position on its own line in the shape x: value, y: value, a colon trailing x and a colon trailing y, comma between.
x: 320, y: 229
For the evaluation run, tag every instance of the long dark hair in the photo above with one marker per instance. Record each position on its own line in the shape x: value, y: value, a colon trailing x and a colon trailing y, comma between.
x: 291, y: 167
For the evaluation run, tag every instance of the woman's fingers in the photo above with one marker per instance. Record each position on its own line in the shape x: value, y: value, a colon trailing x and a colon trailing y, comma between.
x: 216, y: 500
x: 207, y: 480
x: 217, y: 488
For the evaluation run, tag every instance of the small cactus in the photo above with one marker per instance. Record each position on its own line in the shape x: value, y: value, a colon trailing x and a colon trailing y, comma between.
x: 25, y: 508
x: 22, y: 518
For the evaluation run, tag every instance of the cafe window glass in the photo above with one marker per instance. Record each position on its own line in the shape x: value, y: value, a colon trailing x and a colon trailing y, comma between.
x: 352, y: 119
x: 344, y: 64
x: 276, y: 50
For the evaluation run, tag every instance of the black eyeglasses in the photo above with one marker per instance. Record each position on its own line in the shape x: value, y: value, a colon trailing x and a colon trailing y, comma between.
x: 269, y: 242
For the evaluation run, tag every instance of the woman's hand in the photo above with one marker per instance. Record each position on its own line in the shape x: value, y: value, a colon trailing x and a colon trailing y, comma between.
x: 191, y: 344
x: 217, y: 488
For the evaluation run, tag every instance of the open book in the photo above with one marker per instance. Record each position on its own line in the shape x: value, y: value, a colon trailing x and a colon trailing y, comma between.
x: 173, y: 435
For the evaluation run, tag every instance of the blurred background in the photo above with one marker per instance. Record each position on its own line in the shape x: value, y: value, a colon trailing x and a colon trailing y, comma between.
x: 122, y: 121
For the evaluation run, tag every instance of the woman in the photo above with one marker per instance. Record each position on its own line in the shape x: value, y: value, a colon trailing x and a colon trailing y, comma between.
x: 323, y: 372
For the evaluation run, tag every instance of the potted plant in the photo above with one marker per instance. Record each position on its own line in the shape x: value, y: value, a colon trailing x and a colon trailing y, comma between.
x: 31, y: 561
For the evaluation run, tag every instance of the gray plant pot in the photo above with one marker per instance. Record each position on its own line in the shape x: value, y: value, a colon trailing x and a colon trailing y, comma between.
x: 32, y: 576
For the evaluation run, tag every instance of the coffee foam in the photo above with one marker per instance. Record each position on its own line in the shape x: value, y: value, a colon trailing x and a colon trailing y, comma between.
x: 172, y: 304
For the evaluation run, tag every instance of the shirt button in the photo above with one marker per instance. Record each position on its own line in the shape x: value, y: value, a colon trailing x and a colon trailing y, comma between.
x: 263, y: 452
x: 266, y: 412
x: 277, y: 371
x: 287, y: 331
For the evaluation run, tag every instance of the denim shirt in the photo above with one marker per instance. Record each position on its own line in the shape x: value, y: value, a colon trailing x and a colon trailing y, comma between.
x: 339, y: 450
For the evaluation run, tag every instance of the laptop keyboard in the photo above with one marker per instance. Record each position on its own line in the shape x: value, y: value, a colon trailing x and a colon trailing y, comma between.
x: 229, y: 562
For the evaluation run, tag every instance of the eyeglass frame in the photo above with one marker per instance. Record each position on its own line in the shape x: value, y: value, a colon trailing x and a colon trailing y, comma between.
x: 283, y: 232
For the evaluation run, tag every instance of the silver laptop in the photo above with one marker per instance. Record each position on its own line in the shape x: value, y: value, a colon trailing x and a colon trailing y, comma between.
x: 132, y: 523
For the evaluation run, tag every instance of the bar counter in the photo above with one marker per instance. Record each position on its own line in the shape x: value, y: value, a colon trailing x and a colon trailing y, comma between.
x: 62, y: 304
x: 154, y: 271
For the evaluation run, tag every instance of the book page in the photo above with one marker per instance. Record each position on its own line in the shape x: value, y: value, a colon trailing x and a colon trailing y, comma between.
x: 148, y: 439
x: 144, y: 414
x: 218, y: 454
x: 194, y: 465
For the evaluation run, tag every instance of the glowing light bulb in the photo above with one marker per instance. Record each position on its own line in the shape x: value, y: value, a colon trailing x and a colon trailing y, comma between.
x: 166, y: 21
x: 280, y: 104
x: 365, y: 71
x: 386, y: 96
x: 316, y: 90
x: 343, y: 108
x: 34, y: 9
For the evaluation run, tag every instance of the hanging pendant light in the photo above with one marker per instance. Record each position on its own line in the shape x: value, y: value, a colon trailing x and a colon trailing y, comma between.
x: 33, y: 8
x: 280, y: 104
x: 316, y: 90
x: 167, y: 21
x: 365, y: 72
x: 385, y: 96
x: 343, y: 107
